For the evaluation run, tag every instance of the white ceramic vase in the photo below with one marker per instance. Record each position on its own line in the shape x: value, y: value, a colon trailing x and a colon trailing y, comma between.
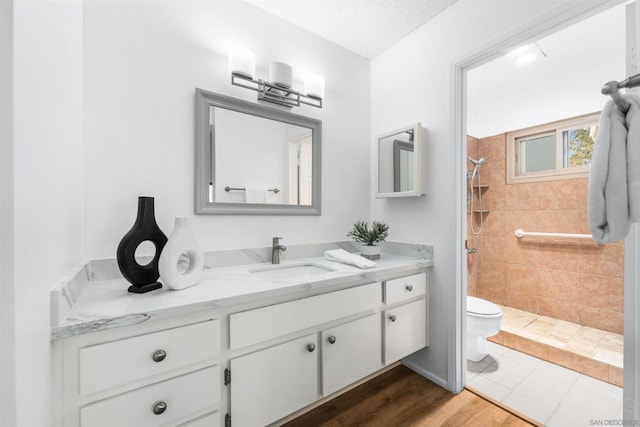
x: 182, y: 259
x: 370, y: 252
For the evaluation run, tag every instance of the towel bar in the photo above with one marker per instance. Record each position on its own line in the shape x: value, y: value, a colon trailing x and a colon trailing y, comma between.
x: 227, y: 189
x: 520, y: 234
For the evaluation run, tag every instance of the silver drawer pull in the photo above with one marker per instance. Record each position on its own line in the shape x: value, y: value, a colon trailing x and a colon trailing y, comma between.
x: 159, y: 407
x: 311, y: 347
x: 409, y: 287
x: 332, y: 339
x: 159, y: 355
x: 392, y: 317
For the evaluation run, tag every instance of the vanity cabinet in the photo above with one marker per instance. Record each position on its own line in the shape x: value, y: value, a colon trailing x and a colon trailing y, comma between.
x: 250, y: 364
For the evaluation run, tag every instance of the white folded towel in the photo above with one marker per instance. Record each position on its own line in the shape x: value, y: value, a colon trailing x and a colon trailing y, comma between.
x: 614, y: 179
x: 340, y: 255
x: 255, y: 195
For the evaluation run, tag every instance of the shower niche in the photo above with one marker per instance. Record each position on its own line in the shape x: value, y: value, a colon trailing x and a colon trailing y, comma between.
x: 401, y: 156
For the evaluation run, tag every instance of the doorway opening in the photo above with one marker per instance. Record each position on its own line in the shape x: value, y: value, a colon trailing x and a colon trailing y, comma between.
x: 561, y: 298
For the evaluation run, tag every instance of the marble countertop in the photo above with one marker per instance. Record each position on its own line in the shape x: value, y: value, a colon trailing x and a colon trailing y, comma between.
x: 106, y: 304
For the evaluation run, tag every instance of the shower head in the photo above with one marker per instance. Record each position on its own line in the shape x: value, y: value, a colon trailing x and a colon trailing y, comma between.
x: 478, y: 162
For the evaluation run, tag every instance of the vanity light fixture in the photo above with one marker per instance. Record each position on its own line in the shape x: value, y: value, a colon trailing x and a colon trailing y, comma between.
x: 278, y: 90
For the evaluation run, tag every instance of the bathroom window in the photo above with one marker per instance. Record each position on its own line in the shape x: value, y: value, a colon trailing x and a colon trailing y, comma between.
x: 558, y: 150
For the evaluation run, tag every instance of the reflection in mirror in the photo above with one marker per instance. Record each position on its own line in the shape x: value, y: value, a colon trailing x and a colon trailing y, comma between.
x: 253, y: 159
x: 400, y: 162
x: 402, y: 165
x: 260, y: 160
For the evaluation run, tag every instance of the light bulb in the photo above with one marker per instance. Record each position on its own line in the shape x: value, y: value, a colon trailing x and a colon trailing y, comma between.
x: 242, y: 63
x: 314, y: 86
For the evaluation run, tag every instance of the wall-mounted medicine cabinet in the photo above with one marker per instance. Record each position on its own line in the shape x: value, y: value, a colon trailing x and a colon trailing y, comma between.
x: 401, y: 156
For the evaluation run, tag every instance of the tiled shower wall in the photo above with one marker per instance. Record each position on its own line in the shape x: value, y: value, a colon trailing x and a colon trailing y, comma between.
x: 573, y: 280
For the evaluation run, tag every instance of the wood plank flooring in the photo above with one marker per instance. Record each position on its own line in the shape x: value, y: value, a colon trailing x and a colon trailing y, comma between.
x: 400, y: 397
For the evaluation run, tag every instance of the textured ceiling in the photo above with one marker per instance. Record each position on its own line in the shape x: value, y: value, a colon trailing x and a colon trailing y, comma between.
x: 366, y: 27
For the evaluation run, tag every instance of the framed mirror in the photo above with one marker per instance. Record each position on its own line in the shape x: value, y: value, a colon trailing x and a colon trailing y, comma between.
x: 400, y: 162
x: 256, y: 160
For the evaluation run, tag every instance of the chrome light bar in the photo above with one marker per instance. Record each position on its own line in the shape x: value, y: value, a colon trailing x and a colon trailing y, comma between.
x: 274, y: 93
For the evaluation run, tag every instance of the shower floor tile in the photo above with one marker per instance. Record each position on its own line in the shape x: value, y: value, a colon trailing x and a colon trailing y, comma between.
x: 589, y: 342
x: 547, y: 393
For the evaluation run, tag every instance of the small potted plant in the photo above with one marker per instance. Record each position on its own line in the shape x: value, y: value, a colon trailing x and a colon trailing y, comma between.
x: 361, y: 233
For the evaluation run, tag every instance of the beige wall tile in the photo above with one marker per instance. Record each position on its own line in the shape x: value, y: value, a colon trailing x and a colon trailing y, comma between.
x: 493, y: 223
x: 558, y: 309
x: 559, y: 195
x: 606, y: 320
x: 520, y: 251
x: 521, y: 301
x: 525, y: 345
x: 569, y: 273
x: 493, y: 197
x: 603, y: 292
x: 556, y: 284
x: 523, y: 279
x: 557, y: 256
x: 604, y: 260
x: 522, y: 197
x: 492, y: 250
x: 615, y: 376
x: 579, y: 363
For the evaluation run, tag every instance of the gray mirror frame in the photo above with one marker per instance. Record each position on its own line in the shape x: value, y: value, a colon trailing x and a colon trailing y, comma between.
x: 204, y: 171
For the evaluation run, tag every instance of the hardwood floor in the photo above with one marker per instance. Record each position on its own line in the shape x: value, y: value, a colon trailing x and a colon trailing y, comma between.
x: 400, y: 397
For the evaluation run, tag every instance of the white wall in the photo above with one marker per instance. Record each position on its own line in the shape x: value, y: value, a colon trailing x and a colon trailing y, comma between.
x: 48, y: 190
x: 7, y: 334
x: 504, y: 96
x: 143, y: 61
x: 420, y: 90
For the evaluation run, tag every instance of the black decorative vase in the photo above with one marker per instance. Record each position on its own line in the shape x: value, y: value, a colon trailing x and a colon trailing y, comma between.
x: 143, y: 278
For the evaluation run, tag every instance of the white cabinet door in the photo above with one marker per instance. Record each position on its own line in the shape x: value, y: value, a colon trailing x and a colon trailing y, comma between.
x: 270, y: 384
x: 350, y: 352
x: 405, y: 330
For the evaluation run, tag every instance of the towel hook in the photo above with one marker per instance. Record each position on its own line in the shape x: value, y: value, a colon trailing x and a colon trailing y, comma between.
x: 612, y: 89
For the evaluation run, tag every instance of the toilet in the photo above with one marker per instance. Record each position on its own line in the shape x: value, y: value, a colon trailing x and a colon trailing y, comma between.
x: 484, y: 319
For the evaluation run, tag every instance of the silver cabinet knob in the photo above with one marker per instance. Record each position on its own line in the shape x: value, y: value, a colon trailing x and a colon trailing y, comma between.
x: 409, y: 288
x: 311, y: 347
x: 159, y: 355
x: 332, y: 339
x: 159, y: 407
x: 392, y: 317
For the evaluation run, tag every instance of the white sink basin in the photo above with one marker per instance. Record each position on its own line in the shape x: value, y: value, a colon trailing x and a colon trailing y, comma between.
x: 291, y: 271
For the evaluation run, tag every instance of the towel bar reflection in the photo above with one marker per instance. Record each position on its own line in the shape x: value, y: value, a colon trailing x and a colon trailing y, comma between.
x: 611, y: 89
x: 227, y: 189
x: 520, y: 234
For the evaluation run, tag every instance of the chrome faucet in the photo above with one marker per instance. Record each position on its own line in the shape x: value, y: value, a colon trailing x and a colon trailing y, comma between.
x: 276, y: 247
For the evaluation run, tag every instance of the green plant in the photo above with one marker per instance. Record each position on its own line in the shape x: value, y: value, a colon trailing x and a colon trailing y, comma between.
x: 363, y: 234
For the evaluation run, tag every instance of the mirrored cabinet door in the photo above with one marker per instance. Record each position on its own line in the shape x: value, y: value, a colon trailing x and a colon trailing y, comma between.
x: 401, y: 155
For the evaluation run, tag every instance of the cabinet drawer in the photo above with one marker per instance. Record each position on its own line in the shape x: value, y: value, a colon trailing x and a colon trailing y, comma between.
x: 254, y: 326
x: 404, y: 288
x: 209, y: 420
x: 184, y: 395
x: 405, y: 330
x: 121, y: 362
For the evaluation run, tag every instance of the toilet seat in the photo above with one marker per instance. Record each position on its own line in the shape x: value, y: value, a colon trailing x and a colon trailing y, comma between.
x: 477, y: 307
